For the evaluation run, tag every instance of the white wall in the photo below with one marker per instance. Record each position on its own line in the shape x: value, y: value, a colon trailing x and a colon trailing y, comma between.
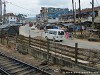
x: 89, y: 18
x: 99, y: 13
x: 11, y: 19
x: 53, y: 20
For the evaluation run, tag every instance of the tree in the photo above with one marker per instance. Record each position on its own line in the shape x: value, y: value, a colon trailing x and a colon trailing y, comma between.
x: 21, y: 17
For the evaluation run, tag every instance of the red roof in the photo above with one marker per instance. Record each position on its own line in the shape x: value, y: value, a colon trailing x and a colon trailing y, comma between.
x: 90, y: 9
x: 10, y: 14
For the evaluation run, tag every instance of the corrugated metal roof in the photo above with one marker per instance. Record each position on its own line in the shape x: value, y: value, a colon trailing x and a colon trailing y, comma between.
x: 8, y: 25
x: 68, y: 24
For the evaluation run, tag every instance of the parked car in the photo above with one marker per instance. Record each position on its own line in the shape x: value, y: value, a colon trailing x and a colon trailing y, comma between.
x: 33, y: 28
x: 54, y: 34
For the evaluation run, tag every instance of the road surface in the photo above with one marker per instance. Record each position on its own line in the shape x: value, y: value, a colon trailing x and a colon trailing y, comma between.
x: 26, y: 30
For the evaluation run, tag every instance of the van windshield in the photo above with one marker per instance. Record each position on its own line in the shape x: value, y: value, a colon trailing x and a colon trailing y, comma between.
x: 60, y: 32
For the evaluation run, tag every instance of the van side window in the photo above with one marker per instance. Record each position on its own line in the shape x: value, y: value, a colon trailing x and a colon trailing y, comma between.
x: 50, y: 32
x: 55, y: 33
x: 60, y: 33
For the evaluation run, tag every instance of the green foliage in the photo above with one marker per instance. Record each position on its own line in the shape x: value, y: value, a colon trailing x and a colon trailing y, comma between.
x: 80, y: 36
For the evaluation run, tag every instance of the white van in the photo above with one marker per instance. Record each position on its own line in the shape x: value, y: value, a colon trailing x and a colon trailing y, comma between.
x: 54, y: 34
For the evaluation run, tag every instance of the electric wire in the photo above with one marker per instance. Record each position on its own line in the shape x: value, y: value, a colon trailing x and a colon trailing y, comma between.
x: 20, y: 7
x: 97, y: 2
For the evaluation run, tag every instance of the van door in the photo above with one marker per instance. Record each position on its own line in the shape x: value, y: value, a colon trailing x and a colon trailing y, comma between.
x: 61, y: 34
x: 50, y: 35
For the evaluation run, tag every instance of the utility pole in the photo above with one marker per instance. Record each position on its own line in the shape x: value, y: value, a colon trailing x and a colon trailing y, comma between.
x: 4, y: 12
x: 73, y: 10
x: 93, y: 13
x: 0, y: 10
x: 79, y: 11
x: 80, y: 15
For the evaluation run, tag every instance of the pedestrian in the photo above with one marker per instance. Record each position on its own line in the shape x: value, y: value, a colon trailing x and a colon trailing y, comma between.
x: 71, y: 35
x: 67, y: 34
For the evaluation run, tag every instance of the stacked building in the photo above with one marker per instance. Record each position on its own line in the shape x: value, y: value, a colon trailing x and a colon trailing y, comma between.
x: 50, y: 14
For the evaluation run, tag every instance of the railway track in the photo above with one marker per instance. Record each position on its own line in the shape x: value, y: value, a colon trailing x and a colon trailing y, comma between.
x: 12, y: 66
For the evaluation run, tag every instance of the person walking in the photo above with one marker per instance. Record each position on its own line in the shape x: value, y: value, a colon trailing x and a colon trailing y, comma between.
x: 67, y: 35
x: 71, y: 35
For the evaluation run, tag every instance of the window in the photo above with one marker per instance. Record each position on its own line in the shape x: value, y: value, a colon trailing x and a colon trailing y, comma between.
x: 61, y: 33
x: 55, y: 33
x: 11, y: 17
x: 50, y: 32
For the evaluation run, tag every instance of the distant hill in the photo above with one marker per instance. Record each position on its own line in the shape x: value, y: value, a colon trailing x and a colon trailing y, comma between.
x: 31, y: 18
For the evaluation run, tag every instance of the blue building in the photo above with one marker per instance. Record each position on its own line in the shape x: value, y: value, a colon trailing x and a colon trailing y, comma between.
x: 50, y: 14
x: 56, y: 12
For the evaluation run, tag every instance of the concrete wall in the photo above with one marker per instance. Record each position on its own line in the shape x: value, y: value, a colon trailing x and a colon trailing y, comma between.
x: 52, y: 58
x: 99, y: 13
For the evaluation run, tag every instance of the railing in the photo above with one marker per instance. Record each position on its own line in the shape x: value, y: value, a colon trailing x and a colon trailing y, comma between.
x: 79, y: 55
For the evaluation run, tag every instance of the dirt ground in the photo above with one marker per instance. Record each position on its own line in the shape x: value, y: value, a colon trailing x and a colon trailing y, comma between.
x: 13, y: 53
x: 27, y: 58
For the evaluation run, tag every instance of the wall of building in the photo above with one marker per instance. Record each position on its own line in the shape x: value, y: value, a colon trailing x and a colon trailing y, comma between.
x: 11, y: 19
x: 51, y: 14
x: 99, y: 13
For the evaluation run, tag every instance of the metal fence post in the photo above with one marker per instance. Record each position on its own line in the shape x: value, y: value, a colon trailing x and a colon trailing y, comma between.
x: 1, y: 35
x: 29, y: 42
x: 48, y: 49
x: 16, y: 37
x: 76, y: 52
x: 7, y: 38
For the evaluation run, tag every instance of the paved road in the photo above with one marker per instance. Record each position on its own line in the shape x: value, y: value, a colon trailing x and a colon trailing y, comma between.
x: 26, y: 30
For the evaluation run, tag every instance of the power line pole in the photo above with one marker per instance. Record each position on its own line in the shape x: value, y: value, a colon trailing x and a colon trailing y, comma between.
x: 4, y: 12
x: 79, y: 11
x: 0, y: 10
x: 93, y: 13
x: 73, y: 10
x: 80, y: 15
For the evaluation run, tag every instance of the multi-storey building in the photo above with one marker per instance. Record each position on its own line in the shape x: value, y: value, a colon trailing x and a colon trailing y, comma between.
x: 50, y: 14
x: 10, y: 18
x: 86, y: 15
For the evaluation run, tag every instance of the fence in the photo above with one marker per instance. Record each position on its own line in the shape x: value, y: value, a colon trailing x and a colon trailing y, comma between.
x: 45, y: 49
x: 57, y: 53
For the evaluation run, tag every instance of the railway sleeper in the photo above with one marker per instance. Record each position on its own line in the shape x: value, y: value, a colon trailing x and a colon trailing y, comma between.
x: 11, y: 65
x: 6, y: 64
x: 19, y: 70
x: 28, y: 72
x: 14, y: 67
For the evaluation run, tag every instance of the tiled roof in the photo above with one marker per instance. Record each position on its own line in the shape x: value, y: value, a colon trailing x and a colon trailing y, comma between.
x: 83, y: 11
x: 10, y: 14
x: 90, y: 9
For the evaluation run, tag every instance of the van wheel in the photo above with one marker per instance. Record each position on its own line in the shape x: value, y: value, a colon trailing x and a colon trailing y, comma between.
x: 54, y: 40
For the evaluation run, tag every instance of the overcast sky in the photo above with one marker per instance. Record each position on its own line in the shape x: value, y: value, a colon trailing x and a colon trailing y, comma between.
x: 32, y: 7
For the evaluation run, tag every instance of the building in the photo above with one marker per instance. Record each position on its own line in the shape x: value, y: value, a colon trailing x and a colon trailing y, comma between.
x: 86, y: 15
x: 50, y: 14
x: 10, y: 18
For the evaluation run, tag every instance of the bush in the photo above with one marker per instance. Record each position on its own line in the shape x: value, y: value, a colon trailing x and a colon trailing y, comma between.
x: 94, y: 39
x: 80, y: 36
